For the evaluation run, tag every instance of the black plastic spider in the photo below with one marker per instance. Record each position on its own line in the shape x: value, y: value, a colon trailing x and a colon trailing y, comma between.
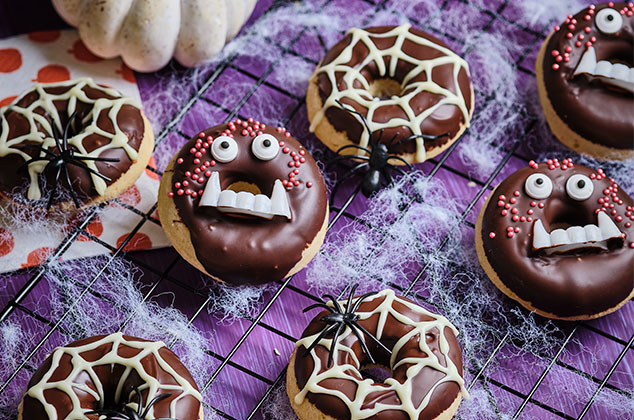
x: 127, y: 413
x: 376, y: 160
x: 338, y: 320
x: 65, y: 156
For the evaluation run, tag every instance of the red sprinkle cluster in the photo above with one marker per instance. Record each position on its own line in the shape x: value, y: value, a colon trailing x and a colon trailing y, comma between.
x: 582, y: 39
x: 248, y: 128
x: 563, y: 165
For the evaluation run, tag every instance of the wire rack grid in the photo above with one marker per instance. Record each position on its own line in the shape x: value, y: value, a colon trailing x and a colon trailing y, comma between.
x: 522, y: 396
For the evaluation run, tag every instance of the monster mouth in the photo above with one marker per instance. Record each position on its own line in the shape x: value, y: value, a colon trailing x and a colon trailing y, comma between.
x: 576, y: 237
x: 615, y: 74
x: 245, y: 202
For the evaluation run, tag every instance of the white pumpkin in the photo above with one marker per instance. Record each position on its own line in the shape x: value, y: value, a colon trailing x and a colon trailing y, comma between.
x: 148, y: 33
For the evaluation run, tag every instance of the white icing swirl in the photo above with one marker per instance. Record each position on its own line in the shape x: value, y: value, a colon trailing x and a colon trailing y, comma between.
x: 80, y: 366
x: 405, y: 391
x: 44, y: 136
x: 394, y: 54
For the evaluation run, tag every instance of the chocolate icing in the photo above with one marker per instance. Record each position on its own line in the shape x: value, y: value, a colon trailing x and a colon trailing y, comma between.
x: 242, y: 250
x: 597, y: 111
x: 582, y: 282
x: 445, y: 119
x: 129, y: 119
x: 423, y: 381
x: 109, y: 375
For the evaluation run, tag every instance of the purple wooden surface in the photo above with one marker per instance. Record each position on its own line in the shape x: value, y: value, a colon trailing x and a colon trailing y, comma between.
x: 236, y: 392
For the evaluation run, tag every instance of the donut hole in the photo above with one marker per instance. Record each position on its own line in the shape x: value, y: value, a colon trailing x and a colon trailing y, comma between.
x: 376, y: 373
x: 384, y: 88
x: 567, y: 217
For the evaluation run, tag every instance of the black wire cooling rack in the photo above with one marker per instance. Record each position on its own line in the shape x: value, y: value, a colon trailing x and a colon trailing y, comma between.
x: 337, y: 213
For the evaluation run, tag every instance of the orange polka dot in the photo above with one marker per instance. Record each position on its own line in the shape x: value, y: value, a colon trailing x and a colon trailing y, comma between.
x: 38, y: 256
x: 6, y: 242
x: 94, y: 228
x: 52, y: 73
x: 45, y: 36
x: 10, y: 60
x: 152, y: 165
x: 131, y: 196
x: 6, y: 101
x: 82, y: 53
x: 126, y: 73
x: 139, y: 241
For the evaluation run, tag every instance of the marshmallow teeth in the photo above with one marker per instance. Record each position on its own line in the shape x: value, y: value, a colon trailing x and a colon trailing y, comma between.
x: 244, y: 202
x: 575, y: 237
x: 616, y: 74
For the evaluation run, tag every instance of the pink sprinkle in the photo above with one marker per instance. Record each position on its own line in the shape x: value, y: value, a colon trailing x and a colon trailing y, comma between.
x: 502, y: 197
x: 196, y: 161
x: 208, y: 174
x: 201, y: 135
x: 619, y: 218
x: 492, y: 235
x: 286, y: 150
x: 187, y: 173
x: 170, y: 194
x: 296, y: 171
x: 287, y: 134
x: 540, y: 205
x: 507, y: 206
x: 213, y: 163
x: 523, y: 219
x: 291, y: 164
x: 500, y: 203
x: 516, y: 218
x: 179, y: 160
x: 631, y: 244
x: 180, y: 192
x: 309, y: 184
x: 192, y: 150
x: 628, y: 224
x: 555, y: 53
x: 245, y: 132
x: 513, y: 200
x: 516, y: 193
x: 177, y: 185
x: 529, y: 219
x: 577, y: 44
x: 509, y: 234
x: 555, y: 66
x: 504, y: 212
x: 296, y: 183
x: 530, y: 211
x: 517, y: 230
x: 284, y: 182
x: 569, y: 35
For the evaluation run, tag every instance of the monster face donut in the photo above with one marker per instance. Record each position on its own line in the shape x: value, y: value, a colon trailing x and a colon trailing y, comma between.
x: 245, y: 203
x: 412, y: 89
x: 110, y: 377
x: 585, y: 78
x: 73, y: 142
x: 558, y: 238
x: 418, y: 348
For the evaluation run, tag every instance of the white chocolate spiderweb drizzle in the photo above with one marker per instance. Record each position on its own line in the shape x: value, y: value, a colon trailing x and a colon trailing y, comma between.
x: 405, y: 391
x: 181, y: 389
x: 44, y: 136
x: 395, y: 54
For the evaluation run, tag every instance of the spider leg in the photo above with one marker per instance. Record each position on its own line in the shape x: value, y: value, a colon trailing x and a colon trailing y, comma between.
x: 56, y: 137
x: 70, y: 187
x: 409, y: 165
x: 136, y: 390
x: 335, y: 302
x: 40, y: 148
x: 343, y: 157
x: 361, y: 299
x: 82, y: 165
x: 354, y: 111
x: 353, y: 146
x: 97, y: 159
x: 68, y: 124
x: 319, y: 337
x: 349, y: 305
x: 376, y: 340
x: 318, y: 305
x: 346, y: 176
x: 387, y: 176
x: 152, y: 402
x: 54, y: 191
x: 364, y: 346
x: 333, y: 344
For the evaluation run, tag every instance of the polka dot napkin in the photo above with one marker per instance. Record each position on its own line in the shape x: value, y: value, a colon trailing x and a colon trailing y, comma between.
x: 55, y: 56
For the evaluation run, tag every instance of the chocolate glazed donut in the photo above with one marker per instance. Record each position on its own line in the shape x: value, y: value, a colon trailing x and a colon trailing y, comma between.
x: 245, y: 203
x: 108, y: 134
x: 101, y: 372
x: 425, y: 365
x: 586, y: 80
x: 557, y: 237
x: 404, y: 81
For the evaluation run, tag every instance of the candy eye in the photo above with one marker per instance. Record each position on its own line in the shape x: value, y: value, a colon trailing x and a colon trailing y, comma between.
x: 609, y: 21
x: 224, y: 149
x: 538, y: 186
x: 265, y: 147
x: 579, y: 187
